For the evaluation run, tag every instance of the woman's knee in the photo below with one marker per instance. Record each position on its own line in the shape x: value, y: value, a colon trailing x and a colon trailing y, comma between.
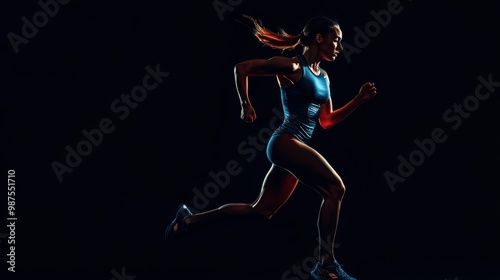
x: 263, y: 212
x: 334, y: 190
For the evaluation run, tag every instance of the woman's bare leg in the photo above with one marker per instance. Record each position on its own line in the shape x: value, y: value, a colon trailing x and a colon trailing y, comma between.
x: 277, y: 187
x: 292, y: 159
x: 313, y: 170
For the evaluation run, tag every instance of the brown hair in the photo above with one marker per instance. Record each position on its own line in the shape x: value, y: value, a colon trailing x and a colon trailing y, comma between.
x: 284, y: 41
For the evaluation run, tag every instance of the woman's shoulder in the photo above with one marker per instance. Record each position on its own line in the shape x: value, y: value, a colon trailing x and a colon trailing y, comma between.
x: 287, y: 60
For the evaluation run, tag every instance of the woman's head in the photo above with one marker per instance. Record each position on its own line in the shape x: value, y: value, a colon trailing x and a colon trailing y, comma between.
x: 317, y: 25
x: 325, y: 34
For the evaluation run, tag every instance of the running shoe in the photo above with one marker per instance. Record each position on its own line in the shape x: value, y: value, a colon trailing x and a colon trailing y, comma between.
x: 329, y: 272
x: 180, y: 220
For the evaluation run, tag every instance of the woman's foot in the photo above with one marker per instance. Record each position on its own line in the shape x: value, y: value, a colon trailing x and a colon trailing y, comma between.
x: 178, y: 226
x: 329, y: 272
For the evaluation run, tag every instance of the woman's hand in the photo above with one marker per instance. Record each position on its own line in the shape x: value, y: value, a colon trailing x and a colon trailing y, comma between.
x: 247, y: 113
x: 367, y: 91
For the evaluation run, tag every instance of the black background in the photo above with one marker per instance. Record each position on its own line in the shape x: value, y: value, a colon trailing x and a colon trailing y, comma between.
x: 107, y: 217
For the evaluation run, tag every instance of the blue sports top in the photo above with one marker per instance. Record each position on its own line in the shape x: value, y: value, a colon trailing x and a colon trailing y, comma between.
x: 301, y: 102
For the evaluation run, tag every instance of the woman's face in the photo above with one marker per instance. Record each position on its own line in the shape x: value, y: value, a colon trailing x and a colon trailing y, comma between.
x: 331, y: 45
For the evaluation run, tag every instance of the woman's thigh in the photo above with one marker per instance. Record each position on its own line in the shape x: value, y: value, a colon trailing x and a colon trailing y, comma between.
x: 309, y: 166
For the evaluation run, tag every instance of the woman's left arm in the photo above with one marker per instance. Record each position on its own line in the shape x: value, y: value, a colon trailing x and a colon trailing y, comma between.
x: 329, y: 117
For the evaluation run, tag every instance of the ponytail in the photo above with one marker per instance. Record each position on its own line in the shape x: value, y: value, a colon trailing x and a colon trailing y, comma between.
x: 276, y: 40
x: 284, y: 41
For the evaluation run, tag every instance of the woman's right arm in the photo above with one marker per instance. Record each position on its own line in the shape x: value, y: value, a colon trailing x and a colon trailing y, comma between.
x: 259, y: 67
